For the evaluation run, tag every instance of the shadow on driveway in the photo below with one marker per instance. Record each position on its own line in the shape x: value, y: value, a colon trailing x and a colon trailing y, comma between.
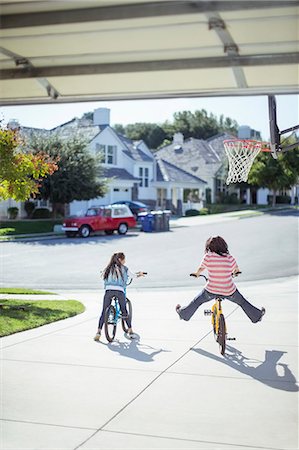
x: 266, y: 372
x: 133, y: 349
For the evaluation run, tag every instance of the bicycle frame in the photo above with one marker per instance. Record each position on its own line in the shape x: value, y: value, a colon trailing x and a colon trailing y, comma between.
x: 216, y: 312
x: 218, y: 321
x: 118, y: 313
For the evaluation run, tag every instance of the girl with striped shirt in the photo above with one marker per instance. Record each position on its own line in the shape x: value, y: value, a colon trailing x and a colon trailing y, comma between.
x: 220, y: 266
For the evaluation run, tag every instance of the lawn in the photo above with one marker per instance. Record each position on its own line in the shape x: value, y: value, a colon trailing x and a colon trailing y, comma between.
x: 21, y: 315
x: 24, y: 291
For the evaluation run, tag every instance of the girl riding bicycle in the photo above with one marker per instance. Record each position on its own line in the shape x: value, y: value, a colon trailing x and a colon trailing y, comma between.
x: 220, y: 266
x: 115, y: 276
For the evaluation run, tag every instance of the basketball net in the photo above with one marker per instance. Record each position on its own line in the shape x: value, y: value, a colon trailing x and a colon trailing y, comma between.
x: 241, y: 154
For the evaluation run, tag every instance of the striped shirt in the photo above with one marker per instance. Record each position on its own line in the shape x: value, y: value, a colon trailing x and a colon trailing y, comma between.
x: 220, y: 270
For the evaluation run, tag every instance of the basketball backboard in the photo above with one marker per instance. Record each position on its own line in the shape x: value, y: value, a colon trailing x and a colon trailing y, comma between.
x: 276, y: 144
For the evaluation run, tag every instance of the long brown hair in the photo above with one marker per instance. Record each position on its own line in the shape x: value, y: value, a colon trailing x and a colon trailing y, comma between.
x: 217, y: 245
x: 114, y: 266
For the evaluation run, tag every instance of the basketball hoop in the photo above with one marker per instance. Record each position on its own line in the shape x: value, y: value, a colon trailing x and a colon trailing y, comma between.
x: 241, y: 154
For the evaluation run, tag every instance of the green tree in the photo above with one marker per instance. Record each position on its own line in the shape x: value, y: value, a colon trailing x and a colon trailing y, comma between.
x: 120, y: 129
x: 152, y: 134
x: 276, y: 174
x: 77, y: 174
x: 21, y: 171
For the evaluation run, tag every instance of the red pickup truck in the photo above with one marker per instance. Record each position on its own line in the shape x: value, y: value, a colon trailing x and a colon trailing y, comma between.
x: 100, y: 218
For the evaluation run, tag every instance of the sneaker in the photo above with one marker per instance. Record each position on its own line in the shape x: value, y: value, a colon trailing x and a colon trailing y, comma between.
x: 97, y: 337
x: 263, y: 311
x: 178, y: 308
x: 131, y: 335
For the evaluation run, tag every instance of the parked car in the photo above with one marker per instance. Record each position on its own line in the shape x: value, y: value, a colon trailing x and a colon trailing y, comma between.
x: 100, y: 218
x: 135, y: 207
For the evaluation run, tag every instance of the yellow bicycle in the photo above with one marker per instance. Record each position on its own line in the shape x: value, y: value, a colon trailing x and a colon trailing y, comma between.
x: 218, y: 320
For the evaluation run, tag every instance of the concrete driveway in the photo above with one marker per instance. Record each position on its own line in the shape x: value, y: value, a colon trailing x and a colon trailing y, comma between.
x: 170, y: 389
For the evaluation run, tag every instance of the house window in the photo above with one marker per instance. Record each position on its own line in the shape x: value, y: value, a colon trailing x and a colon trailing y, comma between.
x: 110, y: 156
x: 143, y: 176
x: 108, y: 153
x: 41, y: 203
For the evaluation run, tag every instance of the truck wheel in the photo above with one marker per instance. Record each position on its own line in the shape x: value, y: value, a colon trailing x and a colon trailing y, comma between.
x: 84, y: 231
x: 122, y: 228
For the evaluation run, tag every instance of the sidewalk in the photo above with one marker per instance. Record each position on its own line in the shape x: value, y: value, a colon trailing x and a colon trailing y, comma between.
x: 170, y: 389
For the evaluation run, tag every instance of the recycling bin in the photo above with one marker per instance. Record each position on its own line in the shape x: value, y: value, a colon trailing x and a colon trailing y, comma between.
x: 147, y: 222
x: 166, y: 218
x: 158, y: 220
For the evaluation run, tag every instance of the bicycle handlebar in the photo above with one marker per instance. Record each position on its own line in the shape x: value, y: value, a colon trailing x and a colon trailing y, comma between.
x: 234, y: 274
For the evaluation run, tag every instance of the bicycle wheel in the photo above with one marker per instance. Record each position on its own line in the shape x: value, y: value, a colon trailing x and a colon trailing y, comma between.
x: 110, y: 323
x: 129, y: 311
x: 222, y: 334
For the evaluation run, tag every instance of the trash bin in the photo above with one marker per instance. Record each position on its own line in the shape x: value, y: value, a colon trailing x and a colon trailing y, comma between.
x: 146, y: 221
x: 158, y: 220
x: 166, y: 218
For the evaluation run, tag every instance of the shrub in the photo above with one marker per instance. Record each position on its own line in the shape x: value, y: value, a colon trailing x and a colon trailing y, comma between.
x: 203, y: 211
x: 192, y: 212
x: 279, y: 199
x: 12, y: 212
x: 29, y: 208
x: 41, y: 213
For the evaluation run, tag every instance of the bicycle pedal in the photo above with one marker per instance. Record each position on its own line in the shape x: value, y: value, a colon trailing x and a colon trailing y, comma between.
x: 207, y: 312
x: 230, y: 339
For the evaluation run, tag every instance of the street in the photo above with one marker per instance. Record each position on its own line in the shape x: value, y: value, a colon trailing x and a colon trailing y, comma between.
x: 265, y: 247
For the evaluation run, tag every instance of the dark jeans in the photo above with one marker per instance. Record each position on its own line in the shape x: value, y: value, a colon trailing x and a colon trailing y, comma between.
x: 251, y: 311
x: 107, y: 302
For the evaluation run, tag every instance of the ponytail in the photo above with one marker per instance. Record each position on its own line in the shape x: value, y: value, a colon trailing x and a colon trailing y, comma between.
x: 115, y: 266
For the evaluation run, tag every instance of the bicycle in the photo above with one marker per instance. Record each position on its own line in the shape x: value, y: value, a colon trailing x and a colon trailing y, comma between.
x: 113, y: 315
x: 218, y: 319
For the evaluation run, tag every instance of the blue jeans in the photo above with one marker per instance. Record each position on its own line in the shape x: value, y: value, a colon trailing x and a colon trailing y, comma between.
x: 251, y: 311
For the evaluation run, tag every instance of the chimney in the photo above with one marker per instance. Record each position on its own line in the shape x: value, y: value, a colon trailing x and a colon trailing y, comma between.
x: 101, y: 117
x: 13, y: 124
x: 178, y: 139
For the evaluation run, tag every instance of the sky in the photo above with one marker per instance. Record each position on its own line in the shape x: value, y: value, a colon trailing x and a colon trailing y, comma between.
x: 251, y: 111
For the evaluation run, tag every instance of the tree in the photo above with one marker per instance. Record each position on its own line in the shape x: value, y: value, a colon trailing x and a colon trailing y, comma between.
x: 76, y: 177
x: 199, y: 124
x: 21, y: 171
x: 152, y: 134
x: 276, y: 174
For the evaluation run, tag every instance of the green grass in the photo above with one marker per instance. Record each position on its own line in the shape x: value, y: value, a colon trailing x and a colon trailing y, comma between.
x: 11, y: 227
x: 23, y: 291
x: 35, y: 313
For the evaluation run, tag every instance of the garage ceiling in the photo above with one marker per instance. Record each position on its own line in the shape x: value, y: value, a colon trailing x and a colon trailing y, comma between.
x: 70, y: 51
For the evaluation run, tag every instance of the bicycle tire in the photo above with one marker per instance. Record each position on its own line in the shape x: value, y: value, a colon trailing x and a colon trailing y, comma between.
x: 222, y: 334
x: 129, y: 311
x: 214, y: 318
x: 110, y: 323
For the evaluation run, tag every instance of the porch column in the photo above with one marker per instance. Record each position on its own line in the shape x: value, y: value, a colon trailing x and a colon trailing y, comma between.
x: 168, y: 204
x: 180, y: 197
x: 248, y: 200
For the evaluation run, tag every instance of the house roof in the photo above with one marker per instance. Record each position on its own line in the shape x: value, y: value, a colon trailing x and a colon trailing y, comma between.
x: 131, y: 149
x: 115, y: 172
x: 196, y: 156
x: 87, y: 50
x: 169, y: 172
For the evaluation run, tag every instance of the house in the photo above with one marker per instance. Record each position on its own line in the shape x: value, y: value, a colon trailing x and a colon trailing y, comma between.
x: 204, y: 159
